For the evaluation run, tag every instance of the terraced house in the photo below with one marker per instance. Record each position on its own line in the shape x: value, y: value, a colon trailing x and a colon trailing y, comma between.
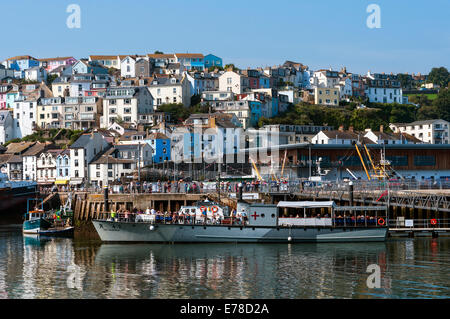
x: 130, y: 105
x: 50, y: 64
x: 190, y: 61
x: 175, y: 89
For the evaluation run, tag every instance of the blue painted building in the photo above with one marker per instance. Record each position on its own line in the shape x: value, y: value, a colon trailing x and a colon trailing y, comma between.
x: 21, y: 63
x: 86, y: 67
x: 256, y: 112
x: 212, y: 60
x: 160, y: 145
x: 63, y: 167
x: 264, y: 82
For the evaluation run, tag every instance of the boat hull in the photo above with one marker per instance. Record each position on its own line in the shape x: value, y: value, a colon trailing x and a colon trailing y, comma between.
x: 58, y: 232
x: 13, y: 202
x: 110, y: 231
x: 35, y: 226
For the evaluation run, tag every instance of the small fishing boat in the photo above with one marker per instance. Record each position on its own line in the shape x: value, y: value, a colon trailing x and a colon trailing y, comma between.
x: 35, y: 222
x: 39, y: 222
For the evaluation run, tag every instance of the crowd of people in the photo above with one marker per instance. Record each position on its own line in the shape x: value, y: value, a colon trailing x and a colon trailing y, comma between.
x: 179, y: 186
x: 176, y: 217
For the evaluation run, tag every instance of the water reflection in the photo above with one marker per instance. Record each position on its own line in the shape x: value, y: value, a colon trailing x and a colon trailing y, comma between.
x: 33, y: 267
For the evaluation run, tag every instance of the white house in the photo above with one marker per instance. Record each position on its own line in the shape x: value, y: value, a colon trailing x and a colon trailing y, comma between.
x: 25, y: 116
x: 233, y: 82
x: 6, y: 126
x: 128, y: 104
x: 30, y: 159
x: 118, y: 162
x: 383, y: 88
x: 324, y: 79
x: 170, y: 90
x: 36, y: 73
x: 339, y: 137
x: 429, y: 131
x: 128, y: 67
x: 345, y: 88
x: 46, y: 167
x: 382, y: 137
x: 82, y: 152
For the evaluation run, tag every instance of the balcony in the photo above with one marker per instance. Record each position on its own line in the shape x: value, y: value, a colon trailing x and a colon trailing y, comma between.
x: 87, y: 117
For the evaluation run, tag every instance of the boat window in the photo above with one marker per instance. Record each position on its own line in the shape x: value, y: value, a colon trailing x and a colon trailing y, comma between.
x: 263, y: 215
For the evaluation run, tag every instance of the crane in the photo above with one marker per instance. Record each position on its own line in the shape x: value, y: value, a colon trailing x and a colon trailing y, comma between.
x: 362, y: 161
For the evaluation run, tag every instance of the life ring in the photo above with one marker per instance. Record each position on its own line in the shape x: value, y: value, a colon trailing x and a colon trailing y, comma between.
x: 202, y: 208
x: 381, y: 221
x: 433, y: 222
x: 214, y: 209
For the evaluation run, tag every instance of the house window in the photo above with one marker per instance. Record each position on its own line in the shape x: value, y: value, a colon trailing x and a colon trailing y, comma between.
x: 127, y: 101
x: 76, y: 163
x: 98, y: 174
x: 76, y: 173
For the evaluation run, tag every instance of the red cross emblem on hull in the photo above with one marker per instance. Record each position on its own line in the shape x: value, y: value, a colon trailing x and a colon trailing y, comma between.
x: 254, y: 215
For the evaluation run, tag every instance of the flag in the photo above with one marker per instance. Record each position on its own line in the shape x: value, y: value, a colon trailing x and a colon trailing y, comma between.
x: 382, y: 195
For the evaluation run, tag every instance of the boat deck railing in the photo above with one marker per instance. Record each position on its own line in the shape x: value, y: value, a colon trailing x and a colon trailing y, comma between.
x: 236, y: 221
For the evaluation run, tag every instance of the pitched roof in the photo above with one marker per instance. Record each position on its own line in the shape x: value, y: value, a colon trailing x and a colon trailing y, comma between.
x: 57, y: 58
x: 158, y: 136
x: 189, y: 55
x: 161, y: 56
x: 345, y: 135
x: 36, y: 149
x: 18, y: 148
x: 4, y: 158
x: 21, y: 57
x: 81, y: 141
x: 396, y: 137
x: 107, y: 158
x: 15, y: 159
x: 103, y: 57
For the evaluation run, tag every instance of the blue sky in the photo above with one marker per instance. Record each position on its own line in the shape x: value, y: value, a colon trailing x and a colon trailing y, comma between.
x: 414, y: 35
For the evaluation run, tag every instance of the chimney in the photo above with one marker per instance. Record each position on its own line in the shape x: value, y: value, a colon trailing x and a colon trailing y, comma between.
x: 381, y: 128
x: 341, y: 128
x: 350, y: 128
x: 212, y: 121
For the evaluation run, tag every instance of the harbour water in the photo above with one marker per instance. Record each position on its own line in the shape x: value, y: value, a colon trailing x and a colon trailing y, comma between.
x: 55, y: 268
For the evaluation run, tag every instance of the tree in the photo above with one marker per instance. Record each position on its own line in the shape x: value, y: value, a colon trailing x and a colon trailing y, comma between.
x: 159, y: 52
x: 442, y: 104
x: 405, y: 81
x: 51, y: 78
x: 195, y: 99
x: 231, y: 65
x: 421, y: 100
x: 178, y: 112
x: 439, y: 76
x: 427, y: 112
x: 212, y: 68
